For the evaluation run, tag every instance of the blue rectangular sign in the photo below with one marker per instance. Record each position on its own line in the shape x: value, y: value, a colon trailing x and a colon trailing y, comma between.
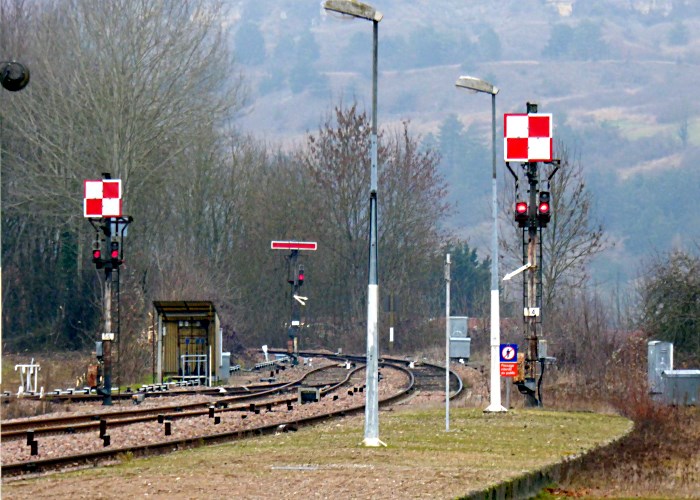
x: 509, y: 353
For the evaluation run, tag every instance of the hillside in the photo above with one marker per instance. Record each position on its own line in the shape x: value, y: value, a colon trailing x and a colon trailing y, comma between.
x: 619, y: 78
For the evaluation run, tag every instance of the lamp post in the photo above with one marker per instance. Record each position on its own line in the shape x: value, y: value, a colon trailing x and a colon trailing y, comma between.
x: 478, y: 85
x: 14, y: 76
x: 363, y: 11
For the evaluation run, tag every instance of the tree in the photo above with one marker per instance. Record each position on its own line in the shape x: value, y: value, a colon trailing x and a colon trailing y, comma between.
x: 560, y: 40
x: 670, y: 302
x: 470, y: 280
x: 572, y: 237
x: 412, y: 204
x: 336, y: 159
x: 133, y: 78
x: 490, y: 44
x: 581, y: 42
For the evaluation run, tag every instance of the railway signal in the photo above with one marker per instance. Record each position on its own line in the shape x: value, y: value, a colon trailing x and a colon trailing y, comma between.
x: 528, y: 141
x: 102, y: 206
x: 296, y: 280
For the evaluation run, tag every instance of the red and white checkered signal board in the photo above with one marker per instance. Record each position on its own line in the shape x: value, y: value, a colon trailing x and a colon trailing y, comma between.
x: 102, y: 198
x: 527, y: 137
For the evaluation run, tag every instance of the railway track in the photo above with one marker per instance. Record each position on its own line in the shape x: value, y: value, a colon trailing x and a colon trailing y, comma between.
x: 165, y: 390
x: 244, y: 398
x: 156, y: 430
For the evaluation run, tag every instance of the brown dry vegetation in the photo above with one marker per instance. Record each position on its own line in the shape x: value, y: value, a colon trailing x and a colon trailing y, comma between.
x: 660, y: 458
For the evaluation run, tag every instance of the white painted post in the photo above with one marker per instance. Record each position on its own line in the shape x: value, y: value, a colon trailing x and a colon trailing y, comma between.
x: 447, y: 343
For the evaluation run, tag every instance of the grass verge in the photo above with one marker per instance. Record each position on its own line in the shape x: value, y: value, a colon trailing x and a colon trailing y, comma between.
x: 420, y: 460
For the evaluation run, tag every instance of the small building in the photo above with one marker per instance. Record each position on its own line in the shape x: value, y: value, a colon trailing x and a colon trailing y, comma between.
x: 188, y: 341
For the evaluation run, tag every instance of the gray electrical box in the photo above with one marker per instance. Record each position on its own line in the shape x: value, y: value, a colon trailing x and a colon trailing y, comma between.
x: 225, y: 365
x: 681, y: 387
x: 660, y: 359
x: 459, y: 326
x: 460, y: 348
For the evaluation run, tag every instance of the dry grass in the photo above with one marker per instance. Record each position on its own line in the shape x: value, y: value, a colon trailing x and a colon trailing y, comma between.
x: 421, y: 460
x: 660, y: 459
x: 58, y: 369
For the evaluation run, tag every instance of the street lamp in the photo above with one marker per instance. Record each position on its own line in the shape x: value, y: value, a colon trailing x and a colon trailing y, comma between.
x: 13, y: 77
x: 478, y: 85
x: 363, y: 11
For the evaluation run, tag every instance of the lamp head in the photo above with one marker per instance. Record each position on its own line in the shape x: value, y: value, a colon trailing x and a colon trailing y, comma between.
x: 476, y: 85
x: 13, y: 76
x: 354, y: 9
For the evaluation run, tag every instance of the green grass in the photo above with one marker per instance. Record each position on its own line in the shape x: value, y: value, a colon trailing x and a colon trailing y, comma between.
x: 420, y: 459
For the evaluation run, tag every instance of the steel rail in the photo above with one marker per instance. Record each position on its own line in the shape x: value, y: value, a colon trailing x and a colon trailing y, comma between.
x: 93, y: 458
x: 10, y: 429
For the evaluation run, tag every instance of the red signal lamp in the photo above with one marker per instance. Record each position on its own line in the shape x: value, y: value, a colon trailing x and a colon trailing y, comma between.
x: 521, y: 213
x: 300, y: 275
x: 544, y: 212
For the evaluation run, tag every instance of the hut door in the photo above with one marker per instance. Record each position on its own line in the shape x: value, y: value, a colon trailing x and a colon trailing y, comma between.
x: 193, y: 349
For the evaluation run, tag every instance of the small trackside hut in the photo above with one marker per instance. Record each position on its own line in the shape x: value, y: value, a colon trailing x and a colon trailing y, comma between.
x: 188, y: 342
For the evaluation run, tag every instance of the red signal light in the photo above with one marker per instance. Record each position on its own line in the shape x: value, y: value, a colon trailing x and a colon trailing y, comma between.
x: 96, y: 254
x: 544, y: 209
x: 521, y: 213
x: 115, y: 254
x: 300, y: 275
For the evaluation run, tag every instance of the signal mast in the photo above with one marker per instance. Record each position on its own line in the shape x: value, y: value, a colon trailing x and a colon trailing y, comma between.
x: 528, y: 141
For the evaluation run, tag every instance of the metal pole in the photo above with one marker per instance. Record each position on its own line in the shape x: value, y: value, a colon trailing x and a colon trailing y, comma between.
x: 495, y: 405
x: 106, y: 340
x: 447, y: 343
x: 1, y: 296
x: 531, y: 358
x: 372, y: 398
x: 296, y: 313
